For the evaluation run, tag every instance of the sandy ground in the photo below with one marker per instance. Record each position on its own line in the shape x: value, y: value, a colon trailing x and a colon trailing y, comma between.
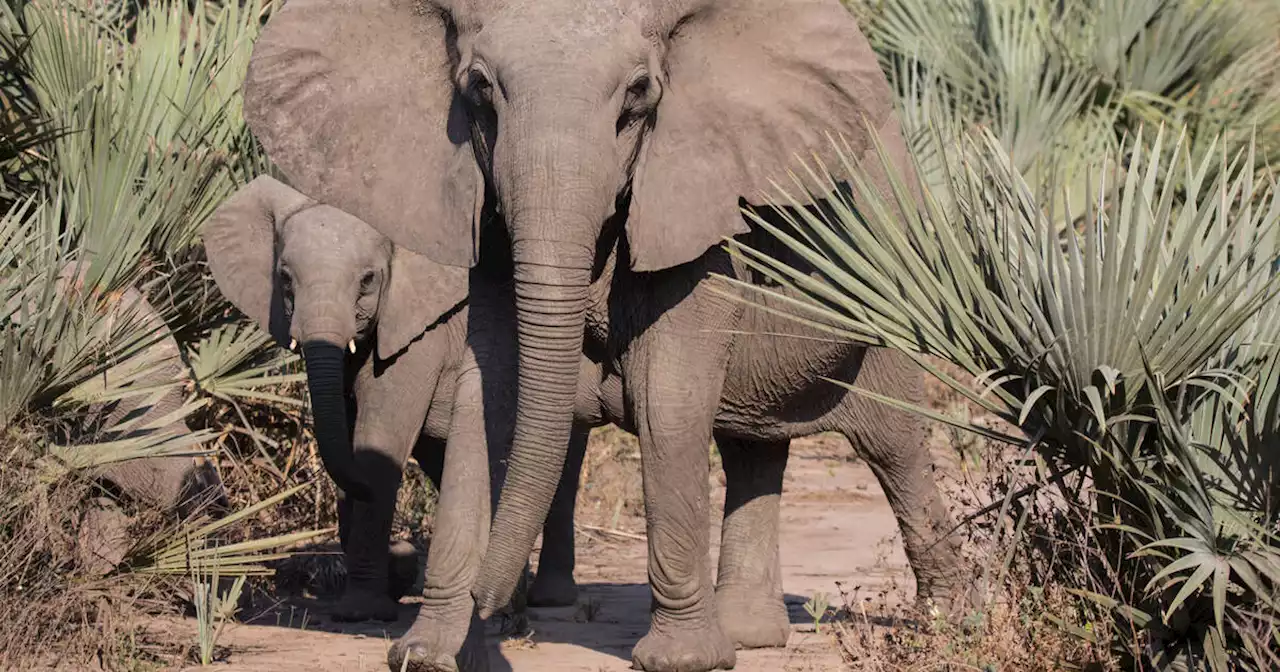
x: 837, y: 533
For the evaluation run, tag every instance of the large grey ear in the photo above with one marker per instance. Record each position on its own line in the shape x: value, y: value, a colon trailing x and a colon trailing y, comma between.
x: 751, y: 87
x: 239, y: 240
x: 354, y: 101
x: 419, y: 293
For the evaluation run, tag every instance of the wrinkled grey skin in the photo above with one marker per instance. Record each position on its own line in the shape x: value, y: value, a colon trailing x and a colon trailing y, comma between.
x: 657, y: 116
x: 314, y: 275
x: 177, y: 484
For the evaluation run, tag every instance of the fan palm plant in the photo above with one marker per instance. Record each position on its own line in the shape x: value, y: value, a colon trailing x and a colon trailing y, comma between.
x: 1141, y: 351
x: 129, y: 135
x: 1061, y: 83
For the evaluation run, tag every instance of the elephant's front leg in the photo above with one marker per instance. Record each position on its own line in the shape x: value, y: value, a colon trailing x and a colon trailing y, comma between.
x: 380, y: 456
x: 446, y: 634
x: 554, y: 585
x: 674, y: 387
x: 388, y: 421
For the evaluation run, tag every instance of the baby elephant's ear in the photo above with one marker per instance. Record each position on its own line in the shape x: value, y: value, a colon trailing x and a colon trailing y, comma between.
x: 239, y: 240
x: 419, y: 294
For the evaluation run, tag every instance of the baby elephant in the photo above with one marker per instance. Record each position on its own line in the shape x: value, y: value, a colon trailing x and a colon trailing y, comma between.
x: 393, y: 355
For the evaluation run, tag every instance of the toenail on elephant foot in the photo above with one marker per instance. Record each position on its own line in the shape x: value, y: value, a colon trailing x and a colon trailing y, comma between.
x: 424, y: 648
x: 684, y: 647
x: 365, y: 605
x: 752, y: 620
x: 553, y: 589
x: 415, y: 657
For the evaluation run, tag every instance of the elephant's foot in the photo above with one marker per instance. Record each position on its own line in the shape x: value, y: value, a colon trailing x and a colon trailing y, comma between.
x: 752, y: 619
x: 104, y: 537
x: 947, y: 600
x: 684, y: 646
x: 361, y: 604
x: 431, y: 646
x: 949, y: 585
x: 553, y: 588
x: 402, y: 569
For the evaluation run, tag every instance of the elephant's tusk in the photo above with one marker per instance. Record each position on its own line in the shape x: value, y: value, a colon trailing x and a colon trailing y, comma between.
x: 352, y: 346
x: 293, y: 345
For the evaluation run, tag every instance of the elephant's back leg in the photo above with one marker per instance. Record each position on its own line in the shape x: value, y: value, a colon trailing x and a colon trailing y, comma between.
x: 893, y: 443
x: 749, y: 579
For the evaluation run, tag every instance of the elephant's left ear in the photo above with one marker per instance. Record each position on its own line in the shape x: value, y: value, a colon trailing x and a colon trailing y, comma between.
x: 751, y: 88
x: 419, y: 294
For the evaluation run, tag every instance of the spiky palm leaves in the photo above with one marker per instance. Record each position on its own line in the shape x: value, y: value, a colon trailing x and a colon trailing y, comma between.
x: 1061, y: 83
x: 1142, y: 351
x: 127, y: 133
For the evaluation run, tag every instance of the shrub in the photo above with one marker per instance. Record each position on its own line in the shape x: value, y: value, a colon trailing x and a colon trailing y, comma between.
x: 122, y: 131
x: 1062, y: 83
x: 1139, y: 358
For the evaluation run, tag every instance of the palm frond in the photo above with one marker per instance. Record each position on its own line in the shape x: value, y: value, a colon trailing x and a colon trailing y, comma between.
x: 1130, y: 348
x: 229, y: 364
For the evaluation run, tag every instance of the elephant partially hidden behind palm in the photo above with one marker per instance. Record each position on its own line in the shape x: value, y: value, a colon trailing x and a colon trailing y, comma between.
x: 174, y: 484
x: 628, y: 126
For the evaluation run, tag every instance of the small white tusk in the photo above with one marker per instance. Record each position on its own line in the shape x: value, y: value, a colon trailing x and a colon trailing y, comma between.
x: 293, y: 344
x: 352, y: 346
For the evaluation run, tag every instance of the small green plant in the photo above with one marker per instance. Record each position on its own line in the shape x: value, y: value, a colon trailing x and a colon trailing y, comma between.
x: 587, y: 611
x: 213, y: 610
x: 816, y: 607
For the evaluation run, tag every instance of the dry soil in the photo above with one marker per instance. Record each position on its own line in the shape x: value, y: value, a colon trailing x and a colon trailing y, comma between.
x: 838, y: 535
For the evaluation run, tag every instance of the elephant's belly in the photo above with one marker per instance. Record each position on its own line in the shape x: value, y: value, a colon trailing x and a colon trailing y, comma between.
x: 774, y: 387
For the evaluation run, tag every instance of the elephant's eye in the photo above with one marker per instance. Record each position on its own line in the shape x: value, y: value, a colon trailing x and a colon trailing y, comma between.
x: 286, y: 281
x: 640, y: 98
x: 478, y: 85
x: 638, y: 91
x: 366, y: 282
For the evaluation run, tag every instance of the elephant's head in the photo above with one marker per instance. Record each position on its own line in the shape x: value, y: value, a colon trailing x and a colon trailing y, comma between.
x: 313, y: 275
x: 404, y: 111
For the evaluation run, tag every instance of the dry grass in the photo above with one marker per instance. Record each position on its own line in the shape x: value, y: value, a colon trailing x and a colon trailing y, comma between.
x: 59, y: 616
x: 55, y: 615
x: 1014, y: 634
x: 1025, y: 617
x: 610, y: 492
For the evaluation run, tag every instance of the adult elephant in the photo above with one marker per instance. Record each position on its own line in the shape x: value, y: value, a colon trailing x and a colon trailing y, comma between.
x: 658, y: 116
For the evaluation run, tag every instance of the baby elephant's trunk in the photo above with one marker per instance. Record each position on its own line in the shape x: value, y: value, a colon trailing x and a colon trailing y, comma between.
x: 329, y: 407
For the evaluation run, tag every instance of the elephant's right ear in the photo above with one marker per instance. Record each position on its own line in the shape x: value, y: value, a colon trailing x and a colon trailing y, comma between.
x: 354, y: 101
x: 239, y: 240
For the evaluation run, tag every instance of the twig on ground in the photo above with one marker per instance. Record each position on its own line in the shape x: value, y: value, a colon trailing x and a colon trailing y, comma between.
x: 616, y: 533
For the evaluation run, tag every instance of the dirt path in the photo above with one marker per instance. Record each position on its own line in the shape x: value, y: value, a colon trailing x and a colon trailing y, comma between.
x: 836, y: 527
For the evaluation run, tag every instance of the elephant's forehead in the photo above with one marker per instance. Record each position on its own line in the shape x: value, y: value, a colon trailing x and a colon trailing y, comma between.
x: 559, y: 29
x: 600, y: 15
x: 333, y: 231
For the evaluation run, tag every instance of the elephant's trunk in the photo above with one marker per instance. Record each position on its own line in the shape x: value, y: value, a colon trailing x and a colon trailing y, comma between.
x: 554, y: 210
x: 325, y: 370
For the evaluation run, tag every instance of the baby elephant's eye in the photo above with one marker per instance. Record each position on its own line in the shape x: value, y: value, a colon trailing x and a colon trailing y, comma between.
x: 366, y: 281
x: 286, y: 280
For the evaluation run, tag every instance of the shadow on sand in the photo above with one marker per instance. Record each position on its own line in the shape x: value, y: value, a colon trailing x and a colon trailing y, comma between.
x: 609, y: 618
